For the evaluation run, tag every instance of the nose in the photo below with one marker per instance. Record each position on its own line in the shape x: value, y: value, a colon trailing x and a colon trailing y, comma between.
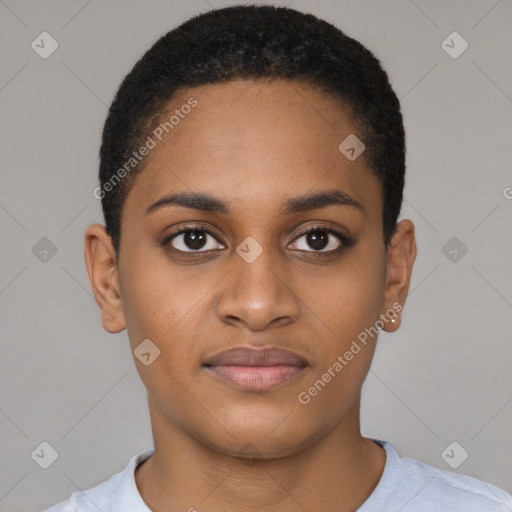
x: 258, y: 295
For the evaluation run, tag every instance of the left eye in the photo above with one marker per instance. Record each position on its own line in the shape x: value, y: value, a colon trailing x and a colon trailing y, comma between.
x: 194, y: 240
x: 320, y: 240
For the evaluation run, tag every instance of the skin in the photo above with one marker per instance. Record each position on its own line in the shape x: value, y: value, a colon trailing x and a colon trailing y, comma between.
x: 253, y: 145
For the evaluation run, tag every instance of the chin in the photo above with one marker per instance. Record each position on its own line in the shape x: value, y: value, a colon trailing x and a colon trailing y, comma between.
x: 265, y: 434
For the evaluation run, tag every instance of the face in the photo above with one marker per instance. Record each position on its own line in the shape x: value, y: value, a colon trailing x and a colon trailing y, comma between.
x: 249, y: 229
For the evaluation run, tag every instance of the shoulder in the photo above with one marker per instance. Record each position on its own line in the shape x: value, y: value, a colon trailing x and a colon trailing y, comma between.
x: 112, y: 495
x: 98, y: 497
x: 453, y: 491
x: 410, y: 485
x: 91, y: 499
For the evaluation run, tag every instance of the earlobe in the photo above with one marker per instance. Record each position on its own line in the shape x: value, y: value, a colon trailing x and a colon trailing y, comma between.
x: 392, y: 325
x: 400, y: 260
x: 100, y: 260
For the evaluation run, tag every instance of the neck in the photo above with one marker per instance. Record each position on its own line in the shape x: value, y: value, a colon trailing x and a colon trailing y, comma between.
x: 337, y: 472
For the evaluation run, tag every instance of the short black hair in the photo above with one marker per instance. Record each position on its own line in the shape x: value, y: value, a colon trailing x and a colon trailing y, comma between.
x: 254, y: 42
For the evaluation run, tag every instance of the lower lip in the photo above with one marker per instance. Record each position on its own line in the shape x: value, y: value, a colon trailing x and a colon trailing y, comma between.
x: 256, y: 378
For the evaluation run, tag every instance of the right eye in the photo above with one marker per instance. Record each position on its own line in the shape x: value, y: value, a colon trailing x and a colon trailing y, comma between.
x: 193, y: 240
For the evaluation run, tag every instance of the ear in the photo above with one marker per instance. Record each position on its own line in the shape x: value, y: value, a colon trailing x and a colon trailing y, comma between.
x: 100, y: 260
x: 401, y: 254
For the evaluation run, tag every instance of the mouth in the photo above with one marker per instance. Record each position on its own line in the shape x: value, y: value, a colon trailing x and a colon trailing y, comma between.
x: 255, y: 369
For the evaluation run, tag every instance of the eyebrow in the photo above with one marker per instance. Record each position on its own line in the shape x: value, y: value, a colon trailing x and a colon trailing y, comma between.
x: 208, y: 203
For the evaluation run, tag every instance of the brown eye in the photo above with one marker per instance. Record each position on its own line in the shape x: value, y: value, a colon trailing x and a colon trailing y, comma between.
x: 322, y: 240
x: 318, y: 240
x: 193, y: 240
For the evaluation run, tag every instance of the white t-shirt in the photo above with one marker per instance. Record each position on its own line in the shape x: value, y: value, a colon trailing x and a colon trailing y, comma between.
x: 406, y: 485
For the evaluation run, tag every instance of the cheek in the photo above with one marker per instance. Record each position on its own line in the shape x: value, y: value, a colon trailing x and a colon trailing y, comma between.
x: 154, y: 298
x: 350, y: 303
x: 347, y: 299
x: 166, y: 304
x: 157, y: 308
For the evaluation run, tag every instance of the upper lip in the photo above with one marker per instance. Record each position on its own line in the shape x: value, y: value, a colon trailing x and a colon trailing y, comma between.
x: 246, y: 356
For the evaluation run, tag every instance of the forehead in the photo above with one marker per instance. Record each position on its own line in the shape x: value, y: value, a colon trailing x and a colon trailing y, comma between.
x: 245, y: 137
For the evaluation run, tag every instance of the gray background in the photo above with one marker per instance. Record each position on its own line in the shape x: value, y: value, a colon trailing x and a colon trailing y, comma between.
x: 444, y: 377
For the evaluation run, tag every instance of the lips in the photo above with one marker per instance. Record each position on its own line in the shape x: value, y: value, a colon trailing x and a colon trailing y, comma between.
x: 255, y: 369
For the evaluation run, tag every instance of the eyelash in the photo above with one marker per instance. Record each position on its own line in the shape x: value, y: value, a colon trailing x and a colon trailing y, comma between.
x: 345, y: 241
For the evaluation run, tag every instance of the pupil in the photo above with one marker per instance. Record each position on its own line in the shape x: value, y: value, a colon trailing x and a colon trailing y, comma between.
x: 317, y: 239
x: 195, y: 239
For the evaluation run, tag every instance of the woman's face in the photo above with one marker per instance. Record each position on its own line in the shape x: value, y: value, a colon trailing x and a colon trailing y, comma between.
x: 245, y: 275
